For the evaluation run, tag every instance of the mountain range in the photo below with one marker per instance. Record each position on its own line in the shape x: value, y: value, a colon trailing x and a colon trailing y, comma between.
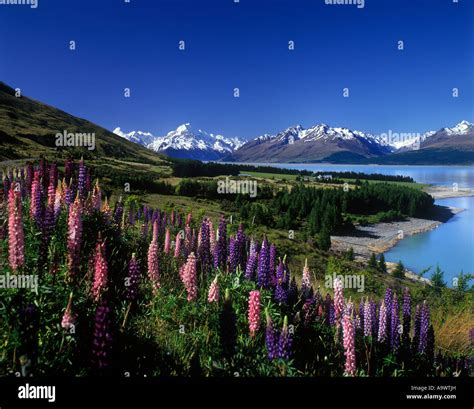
x: 185, y: 142
x: 320, y: 143
x: 29, y: 129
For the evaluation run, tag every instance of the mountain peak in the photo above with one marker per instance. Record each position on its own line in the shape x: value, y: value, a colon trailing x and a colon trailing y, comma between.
x: 184, y: 128
x: 462, y: 128
x: 185, y: 142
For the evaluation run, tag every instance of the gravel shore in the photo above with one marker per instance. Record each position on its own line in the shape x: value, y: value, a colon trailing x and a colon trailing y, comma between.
x: 378, y: 238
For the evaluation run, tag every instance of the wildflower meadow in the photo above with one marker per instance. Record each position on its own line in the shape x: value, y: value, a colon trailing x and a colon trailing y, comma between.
x: 125, y: 289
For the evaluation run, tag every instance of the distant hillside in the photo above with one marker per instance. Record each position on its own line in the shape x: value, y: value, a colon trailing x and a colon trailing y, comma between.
x: 28, y: 129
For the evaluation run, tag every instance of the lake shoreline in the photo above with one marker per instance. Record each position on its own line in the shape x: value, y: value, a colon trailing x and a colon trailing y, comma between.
x: 443, y: 192
x: 380, y: 237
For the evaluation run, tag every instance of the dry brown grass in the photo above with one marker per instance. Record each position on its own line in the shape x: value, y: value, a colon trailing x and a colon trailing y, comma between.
x: 452, y: 330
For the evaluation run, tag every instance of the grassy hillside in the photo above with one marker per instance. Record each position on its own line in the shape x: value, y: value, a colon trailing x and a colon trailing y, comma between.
x: 28, y: 129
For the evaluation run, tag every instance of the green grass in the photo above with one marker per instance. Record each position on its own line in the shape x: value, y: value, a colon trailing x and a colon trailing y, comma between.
x: 264, y: 175
x: 415, y: 185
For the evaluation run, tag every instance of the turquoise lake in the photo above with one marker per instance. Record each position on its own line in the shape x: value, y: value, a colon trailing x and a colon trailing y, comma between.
x: 451, y: 245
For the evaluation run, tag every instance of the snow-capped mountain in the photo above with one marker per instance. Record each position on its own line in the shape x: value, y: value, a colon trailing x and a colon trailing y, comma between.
x: 445, y: 135
x: 320, y: 142
x: 142, y: 138
x: 185, y: 142
x: 315, y: 143
x: 462, y: 128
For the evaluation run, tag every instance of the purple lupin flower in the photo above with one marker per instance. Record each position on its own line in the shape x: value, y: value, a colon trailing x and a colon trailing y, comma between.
x: 285, y: 341
x: 220, y: 249
x: 133, y: 278
x: 406, y: 312
x: 251, y: 265
x: 118, y: 214
x: 271, y: 338
x: 382, y: 335
x: 102, y: 337
x: 424, y: 326
x: 68, y: 193
x: 388, y: 306
x: 205, y: 247
x: 263, y: 259
x: 292, y: 292
x: 232, y: 255
x: 240, y: 241
x: 329, y: 310
x: 394, y: 326
x: 367, y: 319
x: 280, y: 289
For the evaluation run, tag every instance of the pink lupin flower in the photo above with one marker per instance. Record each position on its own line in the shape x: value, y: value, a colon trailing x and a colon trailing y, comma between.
x: 51, y: 193
x: 167, y: 241
x: 74, y: 236
x: 153, y: 265
x: 199, y: 238
x: 212, y: 235
x: 58, y: 200
x: 35, y: 206
x: 177, y: 248
x: 348, y: 330
x: 69, y: 319
x: 16, y: 235
x: 188, y: 219
x: 190, y: 277
x: 213, y: 295
x: 306, y: 279
x: 254, y: 312
x: 338, y: 300
x: 100, y: 272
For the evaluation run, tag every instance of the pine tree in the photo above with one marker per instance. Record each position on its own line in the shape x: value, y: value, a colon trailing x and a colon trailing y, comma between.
x: 324, y: 239
x: 373, y: 262
x: 350, y: 254
x: 437, y: 279
x: 382, y: 264
x: 399, y: 271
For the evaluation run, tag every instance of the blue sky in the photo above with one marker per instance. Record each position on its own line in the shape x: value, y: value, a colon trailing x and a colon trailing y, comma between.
x: 245, y: 45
